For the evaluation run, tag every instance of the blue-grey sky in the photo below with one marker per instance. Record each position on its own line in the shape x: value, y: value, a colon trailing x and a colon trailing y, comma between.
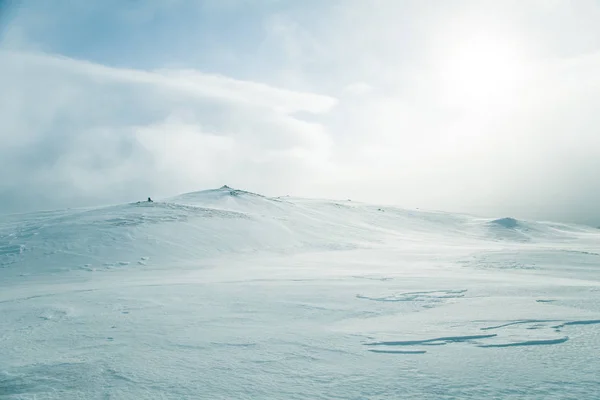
x: 486, y: 107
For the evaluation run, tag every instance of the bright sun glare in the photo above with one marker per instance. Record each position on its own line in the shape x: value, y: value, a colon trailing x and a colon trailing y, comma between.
x: 481, y: 70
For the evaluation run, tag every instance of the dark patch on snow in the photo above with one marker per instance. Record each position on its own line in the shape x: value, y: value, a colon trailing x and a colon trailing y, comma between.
x: 540, y: 342
x: 507, y: 222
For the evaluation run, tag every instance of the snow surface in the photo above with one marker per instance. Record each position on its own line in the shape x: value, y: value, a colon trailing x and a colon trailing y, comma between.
x: 226, y: 294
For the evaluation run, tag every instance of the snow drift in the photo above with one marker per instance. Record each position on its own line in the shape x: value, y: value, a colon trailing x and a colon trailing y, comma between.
x: 209, y: 223
x: 224, y: 293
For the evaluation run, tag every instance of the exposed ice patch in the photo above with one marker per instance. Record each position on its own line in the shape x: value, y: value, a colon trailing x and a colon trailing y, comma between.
x: 519, y: 337
x: 572, y: 323
x: 398, y: 351
x: 433, y: 342
x: 539, y: 342
x: 513, y: 323
x: 434, y: 296
x: 541, y: 323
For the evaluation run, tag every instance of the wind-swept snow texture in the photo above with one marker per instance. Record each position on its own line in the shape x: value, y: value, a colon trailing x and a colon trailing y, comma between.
x: 226, y: 294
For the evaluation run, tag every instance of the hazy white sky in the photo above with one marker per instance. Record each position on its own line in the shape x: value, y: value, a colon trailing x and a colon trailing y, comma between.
x: 487, y: 107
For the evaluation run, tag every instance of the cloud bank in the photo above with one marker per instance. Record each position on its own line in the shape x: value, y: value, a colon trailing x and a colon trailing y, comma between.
x: 469, y: 106
x: 78, y: 132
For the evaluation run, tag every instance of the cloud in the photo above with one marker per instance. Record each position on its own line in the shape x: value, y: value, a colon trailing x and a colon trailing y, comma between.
x: 358, y: 88
x: 534, y: 158
x: 520, y: 141
x: 473, y: 106
x: 76, y: 132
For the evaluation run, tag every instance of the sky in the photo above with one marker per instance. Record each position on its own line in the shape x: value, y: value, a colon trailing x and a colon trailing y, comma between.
x: 483, y: 107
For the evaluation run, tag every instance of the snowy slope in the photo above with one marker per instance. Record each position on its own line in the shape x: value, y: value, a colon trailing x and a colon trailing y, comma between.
x: 227, y: 294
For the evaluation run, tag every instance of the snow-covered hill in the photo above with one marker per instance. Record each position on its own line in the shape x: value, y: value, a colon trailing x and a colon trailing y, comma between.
x: 224, y: 294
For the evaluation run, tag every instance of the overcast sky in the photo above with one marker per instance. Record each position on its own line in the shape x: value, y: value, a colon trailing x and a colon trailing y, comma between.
x: 485, y: 107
